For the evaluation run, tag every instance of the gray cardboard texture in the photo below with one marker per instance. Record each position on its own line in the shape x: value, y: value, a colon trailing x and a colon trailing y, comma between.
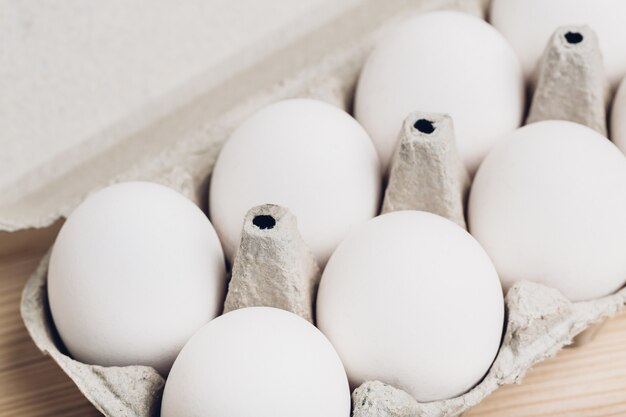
x: 427, y: 172
x: 273, y: 266
x: 571, y: 83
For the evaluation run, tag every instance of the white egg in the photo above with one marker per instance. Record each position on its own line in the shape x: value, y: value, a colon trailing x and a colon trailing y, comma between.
x: 618, y: 118
x: 528, y: 25
x: 412, y: 300
x: 136, y: 269
x: 306, y: 155
x: 549, y: 205
x: 261, y: 362
x: 445, y: 62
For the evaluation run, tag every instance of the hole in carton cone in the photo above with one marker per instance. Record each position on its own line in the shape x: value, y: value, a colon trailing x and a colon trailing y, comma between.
x: 424, y: 126
x: 574, y: 37
x: 264, y: 221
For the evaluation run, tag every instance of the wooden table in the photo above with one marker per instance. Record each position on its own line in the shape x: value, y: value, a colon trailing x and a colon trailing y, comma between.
x: 585, y: 381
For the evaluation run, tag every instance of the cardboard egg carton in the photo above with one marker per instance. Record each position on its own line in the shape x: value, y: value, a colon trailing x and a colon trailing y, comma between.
x: 540, y: 321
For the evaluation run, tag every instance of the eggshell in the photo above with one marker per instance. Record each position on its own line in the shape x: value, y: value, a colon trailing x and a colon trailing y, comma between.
x: 305, y: 155
x: 412, y: 300
x: 257, y: 361
x: 443, y: 62
x: 549, y: 205
x: 136, y: 269
x: 618, y: 118
x: 528, y: 24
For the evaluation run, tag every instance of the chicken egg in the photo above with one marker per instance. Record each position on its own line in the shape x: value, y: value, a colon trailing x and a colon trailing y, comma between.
x: 549, y: 205
x: 135, y: 270
x: 306, y: 155
x: 528, y: 25
x: 412, y: 300
x: 257, y: 361
x: 443, y: 62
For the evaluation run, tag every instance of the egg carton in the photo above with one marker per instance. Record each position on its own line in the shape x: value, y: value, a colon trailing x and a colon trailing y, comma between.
x: 540, y: 321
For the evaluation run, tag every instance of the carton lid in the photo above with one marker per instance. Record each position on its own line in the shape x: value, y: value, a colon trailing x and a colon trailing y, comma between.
x: 77, y: 78
x: 91, y: 90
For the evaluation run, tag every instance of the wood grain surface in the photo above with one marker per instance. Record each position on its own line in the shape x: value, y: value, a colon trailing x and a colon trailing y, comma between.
x: 587, y: 381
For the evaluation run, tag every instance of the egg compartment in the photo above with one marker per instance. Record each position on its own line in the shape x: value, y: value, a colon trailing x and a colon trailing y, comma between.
x: 540, y: 321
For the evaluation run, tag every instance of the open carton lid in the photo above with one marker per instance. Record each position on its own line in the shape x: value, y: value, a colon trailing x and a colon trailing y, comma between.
x: 98, y: 94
